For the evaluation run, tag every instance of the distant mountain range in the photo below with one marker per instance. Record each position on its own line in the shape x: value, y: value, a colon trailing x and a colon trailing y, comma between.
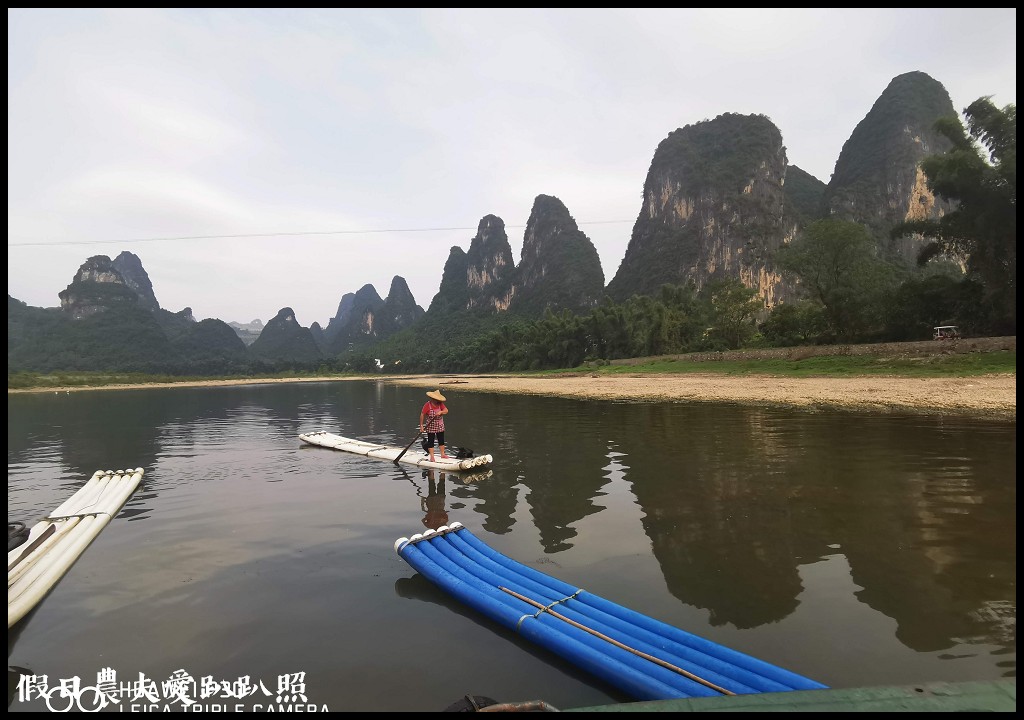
x: 719, y: 200
x: 248, y: 332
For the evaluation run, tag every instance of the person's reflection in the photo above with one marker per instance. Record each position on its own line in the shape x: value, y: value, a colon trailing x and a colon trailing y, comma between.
x: 433, y: 503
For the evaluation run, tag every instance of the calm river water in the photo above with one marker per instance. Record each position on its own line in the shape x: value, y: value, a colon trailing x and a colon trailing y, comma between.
x: 855, y: 550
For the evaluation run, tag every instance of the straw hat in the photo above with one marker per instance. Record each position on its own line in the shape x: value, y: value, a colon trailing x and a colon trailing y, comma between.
x: 436, y: 395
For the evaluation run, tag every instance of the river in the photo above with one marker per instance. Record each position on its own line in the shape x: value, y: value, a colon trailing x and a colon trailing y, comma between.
x: 856, y: 550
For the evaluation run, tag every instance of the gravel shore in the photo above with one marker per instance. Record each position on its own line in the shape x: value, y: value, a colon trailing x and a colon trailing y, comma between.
x: 992, y: 397
x: 989, y: 397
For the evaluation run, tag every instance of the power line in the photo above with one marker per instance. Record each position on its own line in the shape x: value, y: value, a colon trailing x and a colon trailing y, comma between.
x: 274, y: 234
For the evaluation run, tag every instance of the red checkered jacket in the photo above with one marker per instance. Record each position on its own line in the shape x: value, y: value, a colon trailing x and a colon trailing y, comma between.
x: 435, y: 423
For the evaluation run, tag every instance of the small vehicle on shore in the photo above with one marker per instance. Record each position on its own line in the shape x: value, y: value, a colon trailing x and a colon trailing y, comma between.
x: 946, y: 332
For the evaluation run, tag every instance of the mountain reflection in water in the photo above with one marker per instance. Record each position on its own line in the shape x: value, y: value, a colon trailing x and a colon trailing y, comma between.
x: 852, y: 549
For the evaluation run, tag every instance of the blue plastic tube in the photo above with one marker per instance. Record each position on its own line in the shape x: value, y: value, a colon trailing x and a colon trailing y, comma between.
x: 729, y: 669
x: 724, y: 674
x: 629, y: 680
x: 485, y: 580
x: 780, y: 679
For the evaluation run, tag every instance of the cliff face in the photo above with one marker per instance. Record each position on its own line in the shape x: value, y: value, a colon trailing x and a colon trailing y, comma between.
x: 805, y: 196
x: 480, y: 279
x: 318, y: 337
x: 713, y: 208
x: 453, y: 293
x: 559, y: 266
x: 136, y: 277
x: 878, y: 179
x: 400, y: 308
x: 363, y: 317
x: 340, y: 319
x: 489, y: 266
x: 108, y: 321
x: 97, y: 286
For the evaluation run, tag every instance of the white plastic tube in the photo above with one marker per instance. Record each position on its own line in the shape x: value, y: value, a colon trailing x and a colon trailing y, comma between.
x: 92, y: 509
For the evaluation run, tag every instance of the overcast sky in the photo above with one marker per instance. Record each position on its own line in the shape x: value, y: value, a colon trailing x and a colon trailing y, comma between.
x: 335, y: 148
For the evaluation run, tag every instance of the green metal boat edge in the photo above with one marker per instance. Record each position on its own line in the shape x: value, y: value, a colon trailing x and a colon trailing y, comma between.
x: 985, y: 696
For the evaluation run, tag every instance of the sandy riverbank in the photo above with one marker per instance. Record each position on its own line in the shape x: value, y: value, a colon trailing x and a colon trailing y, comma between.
x: 991, y: 397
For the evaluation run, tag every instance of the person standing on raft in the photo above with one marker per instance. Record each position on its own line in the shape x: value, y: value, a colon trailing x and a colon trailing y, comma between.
x: 432, y: 423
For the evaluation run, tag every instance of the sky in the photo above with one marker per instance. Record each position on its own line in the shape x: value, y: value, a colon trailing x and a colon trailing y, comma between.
x: 257, y: 159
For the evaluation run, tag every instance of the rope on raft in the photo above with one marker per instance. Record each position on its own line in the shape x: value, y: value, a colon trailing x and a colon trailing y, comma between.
x: 616, y: 643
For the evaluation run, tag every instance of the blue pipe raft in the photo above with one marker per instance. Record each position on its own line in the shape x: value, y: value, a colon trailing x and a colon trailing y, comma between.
x: 643, y: 657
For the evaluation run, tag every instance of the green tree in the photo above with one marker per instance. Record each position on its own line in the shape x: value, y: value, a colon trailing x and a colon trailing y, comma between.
x: 796, y: 323
x: 836, y: 264
x: 922, y: 303
x: 733, y: 307
x: 982, y: 229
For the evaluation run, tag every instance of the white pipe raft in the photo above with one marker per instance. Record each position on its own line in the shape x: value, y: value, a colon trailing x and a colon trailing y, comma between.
x: 83, y: 497
x: 386, y: 452
x: 78, y: 521
x: 59, y: 556
x: 20, y: 565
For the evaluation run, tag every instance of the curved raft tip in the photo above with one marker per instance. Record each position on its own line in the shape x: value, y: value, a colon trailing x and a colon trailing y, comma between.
x: 455, y: 525
x: 401, y: 543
